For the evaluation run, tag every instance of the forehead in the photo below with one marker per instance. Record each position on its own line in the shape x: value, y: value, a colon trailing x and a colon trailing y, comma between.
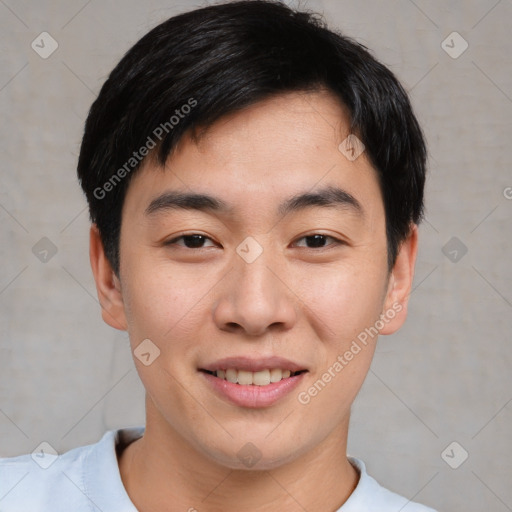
x: 280, y: 147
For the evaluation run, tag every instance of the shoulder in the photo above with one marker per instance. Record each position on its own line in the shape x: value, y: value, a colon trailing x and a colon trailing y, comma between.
x: 73, y: 480
x: 370, y: 495
x: 31, y: 480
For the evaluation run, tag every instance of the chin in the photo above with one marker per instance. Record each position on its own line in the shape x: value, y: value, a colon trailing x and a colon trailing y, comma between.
x: 255, y: 456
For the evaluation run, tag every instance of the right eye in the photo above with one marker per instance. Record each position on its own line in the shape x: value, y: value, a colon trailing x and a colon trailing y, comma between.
x: 192, y: 241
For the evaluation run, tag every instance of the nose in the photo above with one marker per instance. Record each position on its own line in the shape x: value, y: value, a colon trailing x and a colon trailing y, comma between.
x: 255, y: 300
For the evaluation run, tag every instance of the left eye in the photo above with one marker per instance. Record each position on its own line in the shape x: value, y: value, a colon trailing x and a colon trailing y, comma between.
x: 194, y: 241
x: 316, y: 241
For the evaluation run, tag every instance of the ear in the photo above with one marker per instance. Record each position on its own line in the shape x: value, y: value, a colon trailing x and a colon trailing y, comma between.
x: 394, y: 311
x: 108, y: 285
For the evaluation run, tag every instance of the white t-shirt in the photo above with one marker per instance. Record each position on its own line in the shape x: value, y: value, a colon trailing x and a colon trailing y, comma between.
x: 88, y: 479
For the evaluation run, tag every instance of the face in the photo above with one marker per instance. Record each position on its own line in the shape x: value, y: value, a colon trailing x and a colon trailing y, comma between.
x: 258, y: 255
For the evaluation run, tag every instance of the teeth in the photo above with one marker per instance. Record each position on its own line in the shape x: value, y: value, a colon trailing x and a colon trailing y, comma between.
x: 246, y: 378
x: 231, y: 375
x: 276, y: 374
x: 261, y: 378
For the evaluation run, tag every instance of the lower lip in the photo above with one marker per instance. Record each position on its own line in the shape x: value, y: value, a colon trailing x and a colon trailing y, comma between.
x: 253, y: 396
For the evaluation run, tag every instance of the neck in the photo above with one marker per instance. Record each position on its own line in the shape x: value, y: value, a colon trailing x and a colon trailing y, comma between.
x: 163, y: 472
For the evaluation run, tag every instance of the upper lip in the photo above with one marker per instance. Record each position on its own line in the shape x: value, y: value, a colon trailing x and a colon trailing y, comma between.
x: 253, y: 364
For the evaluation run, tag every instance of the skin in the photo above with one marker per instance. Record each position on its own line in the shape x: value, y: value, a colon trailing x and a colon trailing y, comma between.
x: 297, y: 301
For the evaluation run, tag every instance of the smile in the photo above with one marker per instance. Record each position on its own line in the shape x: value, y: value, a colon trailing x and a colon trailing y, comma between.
x: 248, y: 378
x: 252, y: 383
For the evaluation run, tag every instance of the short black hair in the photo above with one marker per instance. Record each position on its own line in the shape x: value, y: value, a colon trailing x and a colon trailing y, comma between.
x: 198, y: 66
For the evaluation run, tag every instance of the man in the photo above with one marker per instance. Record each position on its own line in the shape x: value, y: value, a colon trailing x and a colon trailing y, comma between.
x: 254, y: 182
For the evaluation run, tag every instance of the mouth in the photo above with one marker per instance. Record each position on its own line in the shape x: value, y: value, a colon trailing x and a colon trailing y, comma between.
x: 248, y: 378
x: 251, y: 383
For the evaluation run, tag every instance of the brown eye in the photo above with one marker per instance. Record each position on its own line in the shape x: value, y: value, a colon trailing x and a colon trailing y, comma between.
x: 316, y: 241
x: 193, y: 241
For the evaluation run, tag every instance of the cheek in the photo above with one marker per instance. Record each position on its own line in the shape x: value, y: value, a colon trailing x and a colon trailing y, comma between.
x: 340, y: 311
x: 166, y: 306
x: 163, y: 303
x: 341, y: 304
x: 343, y: 301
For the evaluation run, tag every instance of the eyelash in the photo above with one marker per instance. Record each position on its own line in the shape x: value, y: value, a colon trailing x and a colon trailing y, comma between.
x: 335, y: 242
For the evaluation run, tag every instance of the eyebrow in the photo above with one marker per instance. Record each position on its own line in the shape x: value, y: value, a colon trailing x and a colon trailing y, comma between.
x: 327, y: 197
x: 186, y: 201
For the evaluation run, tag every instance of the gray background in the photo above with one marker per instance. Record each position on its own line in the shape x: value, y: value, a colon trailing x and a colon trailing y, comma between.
x: 65, y: 377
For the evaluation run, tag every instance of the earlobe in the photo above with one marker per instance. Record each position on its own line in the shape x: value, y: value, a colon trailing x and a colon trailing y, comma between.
x: 108, y: 285
x: 400, y: 284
